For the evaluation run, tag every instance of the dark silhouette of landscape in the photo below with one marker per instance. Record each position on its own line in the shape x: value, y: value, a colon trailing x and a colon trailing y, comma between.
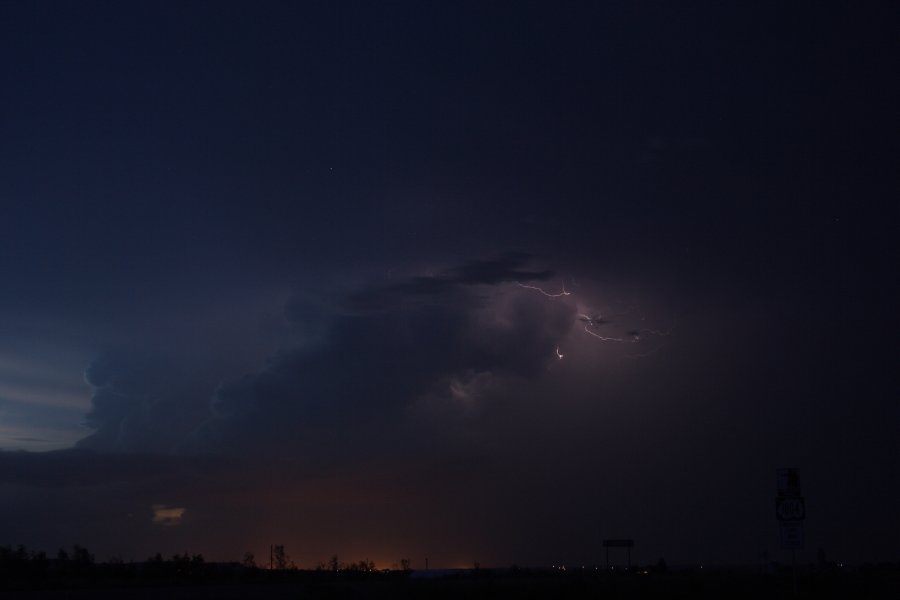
x: 75, y: 573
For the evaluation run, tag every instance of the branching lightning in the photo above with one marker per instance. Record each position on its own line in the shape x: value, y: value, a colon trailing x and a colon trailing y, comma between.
x: 593, y: 322
x: 548, y: 294
x: 602, y: 337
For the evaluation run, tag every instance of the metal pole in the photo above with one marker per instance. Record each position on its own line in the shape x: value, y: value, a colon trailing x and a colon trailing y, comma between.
x: 794, y: 569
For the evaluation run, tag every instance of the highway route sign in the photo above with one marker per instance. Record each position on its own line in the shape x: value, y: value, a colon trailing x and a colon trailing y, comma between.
x: 789, y: 508
x: 788, y: 482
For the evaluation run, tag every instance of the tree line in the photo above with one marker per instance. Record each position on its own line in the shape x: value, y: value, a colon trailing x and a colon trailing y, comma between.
x: 76, y: 566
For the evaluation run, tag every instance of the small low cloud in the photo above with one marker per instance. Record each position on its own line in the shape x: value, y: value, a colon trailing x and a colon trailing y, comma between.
x: 167, y: 516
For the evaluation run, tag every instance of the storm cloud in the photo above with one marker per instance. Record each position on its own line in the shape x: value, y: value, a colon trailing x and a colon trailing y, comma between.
x: 474, y: 281
x: 379, y: 379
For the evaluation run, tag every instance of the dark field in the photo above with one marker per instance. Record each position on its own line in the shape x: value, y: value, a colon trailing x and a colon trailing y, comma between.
x: 865, y: 582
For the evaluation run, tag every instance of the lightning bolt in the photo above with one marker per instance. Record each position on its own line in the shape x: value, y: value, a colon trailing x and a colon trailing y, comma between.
x: 602, y: 337
x: 546, y: 293
x: 593, y: 322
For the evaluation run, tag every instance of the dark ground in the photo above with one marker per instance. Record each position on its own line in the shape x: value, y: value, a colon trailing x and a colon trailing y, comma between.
x: 865, y: 582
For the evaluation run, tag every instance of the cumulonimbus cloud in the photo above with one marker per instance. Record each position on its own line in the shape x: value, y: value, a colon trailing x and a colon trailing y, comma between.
x: 359, y: 387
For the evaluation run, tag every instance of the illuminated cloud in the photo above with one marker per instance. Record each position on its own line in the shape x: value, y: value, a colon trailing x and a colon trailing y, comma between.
x: 374, y: 364
x: 167, y: 516
x: 446, y: 343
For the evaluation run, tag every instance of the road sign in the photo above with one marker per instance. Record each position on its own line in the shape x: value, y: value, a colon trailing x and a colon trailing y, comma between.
x: 788, y: 482
x: 792, y: 535
x: 627, y: 544
x: 788, y: 508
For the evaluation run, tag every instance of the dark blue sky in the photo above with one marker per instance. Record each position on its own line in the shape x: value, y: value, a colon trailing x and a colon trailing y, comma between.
x: 321, y: 237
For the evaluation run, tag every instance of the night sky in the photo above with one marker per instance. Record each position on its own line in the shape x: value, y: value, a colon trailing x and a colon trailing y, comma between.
x: 483, y: 281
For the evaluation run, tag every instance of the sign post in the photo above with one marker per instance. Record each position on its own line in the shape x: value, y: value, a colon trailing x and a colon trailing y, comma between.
x: 628, y: 544
x: 790, y: 510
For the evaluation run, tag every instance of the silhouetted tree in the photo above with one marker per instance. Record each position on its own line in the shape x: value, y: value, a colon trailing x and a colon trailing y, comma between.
x: 405, y: 564
x: 156, y: 565
x: 281, y: 559
x: 362, y: 566
x: 249, y: 561
x: 334, y: 564
x: 81, y: 556
x: 8, y: 556
x: 181, y: 564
